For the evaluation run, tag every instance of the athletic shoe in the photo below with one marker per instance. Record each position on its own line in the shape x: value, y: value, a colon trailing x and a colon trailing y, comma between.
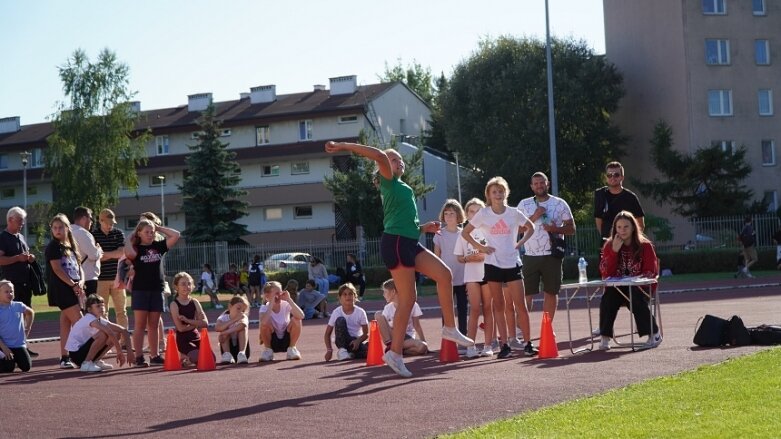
x: 326, y: 314
x: 472, y: 352
x: 227, y: 358
x: 604, y: 343
x: 66, y: 364
x: 395, y: 362
x: 89, y: 366
x: 462, y: 351
x: 266, y: 355
x: 293, y: 354
x: 495, y: 345
x: 518, y: 333
x: 749, y: 275
x: 516, y: 343
x: 32, y: 354
x: 218, y: 306
x: 596, y: 332
x: 505, y: 352
x: 241, y: 358
x: 103, y: 365
x: 487, y: 351
x: 141, y: 362
x: 157, y: 361
x: 530, y: 350
x: 342, y: 354
x: 454, y: 335
x: 653, y: 341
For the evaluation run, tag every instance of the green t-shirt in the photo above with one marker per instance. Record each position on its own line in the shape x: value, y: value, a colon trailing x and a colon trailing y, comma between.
x: 399, y: 208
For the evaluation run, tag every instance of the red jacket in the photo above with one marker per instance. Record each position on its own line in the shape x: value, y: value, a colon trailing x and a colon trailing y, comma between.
x: 622, y: 263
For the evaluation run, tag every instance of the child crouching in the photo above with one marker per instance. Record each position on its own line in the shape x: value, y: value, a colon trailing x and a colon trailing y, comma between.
x: 188, y: 317
x: 233, y: 326
x: 414, y: 340
x: 280, y: 323
x: 352, y: 327
x: 92, y: 336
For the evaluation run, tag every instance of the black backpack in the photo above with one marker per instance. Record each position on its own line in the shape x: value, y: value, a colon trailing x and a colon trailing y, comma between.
x: 737, y: 334
x: 766, y: 335
x: 712, y: 332
x: 255, y: 273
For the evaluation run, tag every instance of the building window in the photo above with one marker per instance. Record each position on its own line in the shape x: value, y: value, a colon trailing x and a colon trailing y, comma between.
x: 156, y: 180
x: 305, y: 130
x: 303, y: 212
x: 262, y: 135
x: 728, y: 146
x: 714, y: 7
x: 716, y: 52
x: 765, y: 102
x: 771, y: 199
x: 162, y: 145
x: 32, y: 190
x: 7, y: 192
x: 348, y: 119
x: 768, y: 153
x: 758, y: 7
x: 36, y: 158
x: 272, y: 213
x: 299, y: 168
x: 225, y: 132
x: 269, y: 170
x: 3, y: 161
x: 762, y: 52
x: 720, y: 102
x: 195, y: 135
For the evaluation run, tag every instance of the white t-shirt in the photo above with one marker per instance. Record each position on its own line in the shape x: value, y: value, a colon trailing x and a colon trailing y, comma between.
x: 208, y: 282
x: 446, y: 241
x: 279, y: 320
x: 226, y: 317
x: 556, y: 211
x: 473, y: 271
x: 390, y: 310
x: 81, y: 332
x: 355, y: 321
x: 501, y: 233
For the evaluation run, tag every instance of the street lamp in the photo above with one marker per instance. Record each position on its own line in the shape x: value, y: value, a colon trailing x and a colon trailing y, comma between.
x: 162, y: 199
x: 554, y: 167
x: 25, y: 160
x: 458, y: 175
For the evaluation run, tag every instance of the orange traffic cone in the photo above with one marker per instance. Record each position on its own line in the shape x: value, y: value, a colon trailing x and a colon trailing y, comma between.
x: 374, y: 357
x: 548, y: 348
x: 448, y: 352
x: 206, y: 359
x: 172, y: 361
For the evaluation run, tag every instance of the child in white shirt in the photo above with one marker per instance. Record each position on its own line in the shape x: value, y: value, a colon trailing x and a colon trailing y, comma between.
x: 352, y: 327
x: 280, y: 323
x: 92, y: 336
x: 233, y: 326
x: 414, y: 340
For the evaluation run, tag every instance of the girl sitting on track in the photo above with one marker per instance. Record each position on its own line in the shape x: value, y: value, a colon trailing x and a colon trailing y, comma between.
x: 280, y: 323
x: 352, y: 327
x: 233, y: 326
x: 188, y: 317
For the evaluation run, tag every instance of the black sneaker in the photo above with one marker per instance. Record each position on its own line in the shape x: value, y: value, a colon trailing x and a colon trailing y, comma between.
x: 32, y: 354
x: 530, y: 350
x: 65, y: 363
x: 157, y: 361
x: 505, y: 352
x: 141, y: 362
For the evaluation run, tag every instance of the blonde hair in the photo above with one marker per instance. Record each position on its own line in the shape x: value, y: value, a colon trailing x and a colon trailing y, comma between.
x: 6, y: 282
x: 348, y: 288
x: 473, y: 201
x: 496, y: 181
x: 454, y: 205
x: 271, y: 284
x: 389, y: 285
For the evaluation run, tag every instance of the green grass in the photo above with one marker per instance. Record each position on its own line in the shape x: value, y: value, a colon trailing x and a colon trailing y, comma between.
x: 738, y: 398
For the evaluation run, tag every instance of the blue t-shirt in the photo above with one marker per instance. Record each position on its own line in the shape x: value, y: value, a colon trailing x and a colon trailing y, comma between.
x: 12, y: 324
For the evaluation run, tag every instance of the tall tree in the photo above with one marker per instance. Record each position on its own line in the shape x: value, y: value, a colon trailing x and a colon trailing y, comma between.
x: 495, y: 112
x: 94, y: 150
x: 434, y: 136
x: 705, y: 183
x: 358, y: 199
x: 415, y: 76
x: 210, y: 200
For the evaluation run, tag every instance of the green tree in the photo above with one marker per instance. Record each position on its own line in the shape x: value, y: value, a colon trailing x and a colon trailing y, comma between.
x: 705, y: 183
x: 210, y: 200
x: 434, y: 136
x: 415, y: 76
x: 95, y: 149
x: 356, y: 196
x: 495, y: 112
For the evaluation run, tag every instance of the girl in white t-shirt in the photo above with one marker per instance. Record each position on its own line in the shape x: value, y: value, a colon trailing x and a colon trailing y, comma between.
x: 92, y: 336
x: 414, y: 340
x: 352, y: 327
x: 280, y: 323
x: 209, y: 286
x: 476, y: 288
x: 500, y: 225
x: 233, y: 326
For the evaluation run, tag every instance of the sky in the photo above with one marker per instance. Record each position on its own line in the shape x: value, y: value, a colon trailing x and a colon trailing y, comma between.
x: 175, y: 48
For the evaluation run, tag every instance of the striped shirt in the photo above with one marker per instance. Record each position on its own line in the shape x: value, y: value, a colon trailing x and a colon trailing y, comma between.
x: 108, y: 242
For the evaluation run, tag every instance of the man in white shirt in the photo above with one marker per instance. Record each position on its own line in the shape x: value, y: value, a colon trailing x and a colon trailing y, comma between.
x: 549, y: 214
x: 89, y: 251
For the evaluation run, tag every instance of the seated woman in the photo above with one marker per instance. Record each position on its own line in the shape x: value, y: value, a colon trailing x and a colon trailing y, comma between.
x: 627, y: 253
x: 318, y: 272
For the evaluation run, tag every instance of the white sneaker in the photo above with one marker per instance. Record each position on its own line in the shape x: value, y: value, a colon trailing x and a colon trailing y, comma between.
x: 495, y: 345
x: 218, y: 306
x: 518, y: 333
x: 596, y: 333
x: 342, y: 354
x: 89, y: 366
x: 487, y: 351
x: 103, y: 365
x: 241, y: 358
x: 395, y: 362
x: 472, y: 352
x: 267, y: 355
x: 454, y: 335
x: 293, y: 354
x: 227, y: 358
x: 517, y: 344
x: 653, y: 341
x: 604, y: 343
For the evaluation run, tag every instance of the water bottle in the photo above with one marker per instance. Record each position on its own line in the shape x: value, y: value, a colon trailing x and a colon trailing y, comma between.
x: 582, y: 275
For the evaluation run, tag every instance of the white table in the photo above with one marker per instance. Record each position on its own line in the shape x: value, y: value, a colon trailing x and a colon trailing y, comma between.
x: 590, y: 290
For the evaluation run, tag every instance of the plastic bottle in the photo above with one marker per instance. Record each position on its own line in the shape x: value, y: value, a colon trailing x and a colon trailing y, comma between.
x: 582, y: 274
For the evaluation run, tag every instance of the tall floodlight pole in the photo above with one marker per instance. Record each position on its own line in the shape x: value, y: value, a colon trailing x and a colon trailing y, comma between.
x: 458, y: 176
x: 554, y: 168
x: 25, y: 160
x: 162, y: 198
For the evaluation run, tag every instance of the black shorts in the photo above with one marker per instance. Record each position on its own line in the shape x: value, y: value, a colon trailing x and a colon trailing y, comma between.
x: 496, y: 274
x: 151, y: 301
x: 280, y: 344
x: 78, y: 357
x: 234, y: 348
x: 399, y: 250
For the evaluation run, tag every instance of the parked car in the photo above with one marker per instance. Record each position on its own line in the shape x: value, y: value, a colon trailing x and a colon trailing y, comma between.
x: 287, y: 262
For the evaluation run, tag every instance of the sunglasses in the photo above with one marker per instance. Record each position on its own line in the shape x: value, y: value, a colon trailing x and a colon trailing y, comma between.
x: 613, y: 174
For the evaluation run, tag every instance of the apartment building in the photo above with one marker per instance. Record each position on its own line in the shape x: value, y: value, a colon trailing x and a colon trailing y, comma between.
x: 279, y: 144
x: 710, y: 69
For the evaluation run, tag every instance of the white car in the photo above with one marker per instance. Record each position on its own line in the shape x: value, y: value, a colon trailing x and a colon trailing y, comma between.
x: 287, y: 262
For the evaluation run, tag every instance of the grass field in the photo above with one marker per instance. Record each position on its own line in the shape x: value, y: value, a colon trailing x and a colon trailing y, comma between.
x: 737, y: 398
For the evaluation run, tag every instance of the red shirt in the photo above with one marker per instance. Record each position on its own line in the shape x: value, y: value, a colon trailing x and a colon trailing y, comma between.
x: 624, y: 263
x: 231, y: 280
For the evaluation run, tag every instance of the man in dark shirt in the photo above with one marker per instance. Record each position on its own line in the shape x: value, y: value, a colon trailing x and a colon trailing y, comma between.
x: 612, y: 199
x: 112, y: 241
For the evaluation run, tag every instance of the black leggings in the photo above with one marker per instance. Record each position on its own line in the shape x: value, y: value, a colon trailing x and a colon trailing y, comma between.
x: 612, y: 301
x: 21, y: 359
x: 462, y: 306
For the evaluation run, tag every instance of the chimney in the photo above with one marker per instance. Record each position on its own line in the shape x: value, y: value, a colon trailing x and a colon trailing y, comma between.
x: 319, y: 87
x: 243, y: 95
x: 198, y: 102
x: 343, y: 85
x: 135, y: 107
x: 263, y: 94
x: 10, y: 125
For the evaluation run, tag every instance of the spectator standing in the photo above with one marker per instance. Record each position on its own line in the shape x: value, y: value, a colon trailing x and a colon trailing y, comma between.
x: 90, y: 251
x: 748, y: 238
x: 355, y: 274
x: 777, y: 241
x: 112, y: 241
x: 257, y: 277
x: 452, y: 215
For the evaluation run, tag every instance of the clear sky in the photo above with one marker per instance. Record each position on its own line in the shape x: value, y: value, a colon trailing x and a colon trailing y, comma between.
x: 175, y: 47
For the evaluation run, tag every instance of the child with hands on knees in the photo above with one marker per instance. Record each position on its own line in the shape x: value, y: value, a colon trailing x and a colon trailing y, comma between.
x: 280, y: 323
x: 352, y: 327
x: 188, y: 317
x: 414, y: 340
x: 92, y: 336
x: 16, y: 319
x: 233, y: 326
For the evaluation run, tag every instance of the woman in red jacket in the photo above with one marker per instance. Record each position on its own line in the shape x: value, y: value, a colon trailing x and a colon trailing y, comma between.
x: 627, y: 253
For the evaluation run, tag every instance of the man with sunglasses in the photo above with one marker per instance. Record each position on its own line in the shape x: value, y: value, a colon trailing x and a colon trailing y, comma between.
x: 613, y: 198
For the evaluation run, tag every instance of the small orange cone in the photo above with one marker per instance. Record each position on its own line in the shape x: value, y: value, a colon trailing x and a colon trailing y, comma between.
x: 374, y: 357
x: 206, y: 359
x: 548, y: 348
x: 172, y: 361
x: 448, y: 352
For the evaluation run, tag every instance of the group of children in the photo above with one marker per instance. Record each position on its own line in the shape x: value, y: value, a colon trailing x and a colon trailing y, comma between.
x: 247, y: 281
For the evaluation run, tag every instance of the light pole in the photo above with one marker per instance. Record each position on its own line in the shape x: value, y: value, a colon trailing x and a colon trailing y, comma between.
x: 554, y: 167
x: 162, y: 199
x: 25, y: 160
x: 458, y: 175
